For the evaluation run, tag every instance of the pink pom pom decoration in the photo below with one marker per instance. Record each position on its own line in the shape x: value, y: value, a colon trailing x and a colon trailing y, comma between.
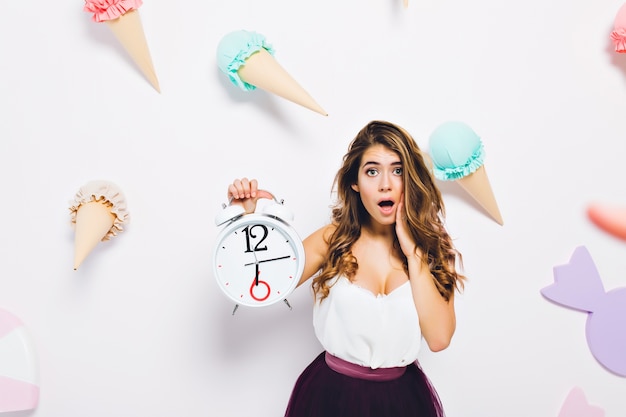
x: 110, y: 9
x: 618, y: 35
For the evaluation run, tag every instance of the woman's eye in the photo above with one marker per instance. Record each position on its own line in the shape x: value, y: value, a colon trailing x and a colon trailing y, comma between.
x: 397, y: 171
x: 371, y: 172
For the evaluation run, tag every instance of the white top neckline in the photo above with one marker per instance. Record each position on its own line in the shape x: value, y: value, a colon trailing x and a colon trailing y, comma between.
x: 378, y: 331
x: 379, y: 295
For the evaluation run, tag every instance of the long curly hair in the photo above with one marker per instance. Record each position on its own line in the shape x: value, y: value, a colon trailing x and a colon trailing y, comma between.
x: 424, y: 210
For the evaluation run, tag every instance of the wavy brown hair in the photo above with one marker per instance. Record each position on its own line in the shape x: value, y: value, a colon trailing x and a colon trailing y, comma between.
x: 424, y: 210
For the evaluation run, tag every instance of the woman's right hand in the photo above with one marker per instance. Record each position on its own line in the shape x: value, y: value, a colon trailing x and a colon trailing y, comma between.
x: 246, y: 192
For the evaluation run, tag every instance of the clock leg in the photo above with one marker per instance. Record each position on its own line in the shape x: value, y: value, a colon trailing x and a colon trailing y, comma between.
x: 287, y: 302
x: 235, y: 309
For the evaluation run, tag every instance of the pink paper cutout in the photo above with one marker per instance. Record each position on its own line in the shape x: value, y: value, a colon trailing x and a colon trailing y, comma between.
x: 8, y: 322
x: 609, y: 218
x: 618, y: 35
x: 577, y: 285
x: 104, y: 10
x: 19, y: 387
x: 576, y: 405
x: 17, y: 395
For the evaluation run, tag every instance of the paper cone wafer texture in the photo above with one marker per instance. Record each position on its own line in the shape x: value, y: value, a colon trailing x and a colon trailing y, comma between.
x: 122, y: 18
x: 248, y: 60
x: 93, y: 222
x: 477, y: 185
x: 98, y: 212
x: 458, y: 155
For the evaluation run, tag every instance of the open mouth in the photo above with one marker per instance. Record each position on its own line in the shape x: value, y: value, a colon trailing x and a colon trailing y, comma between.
x: 386, y: 206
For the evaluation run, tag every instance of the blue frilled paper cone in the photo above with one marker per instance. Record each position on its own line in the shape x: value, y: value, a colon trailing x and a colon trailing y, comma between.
x: 248, y: 60
x: 263, y: 71
x: 458, y: 155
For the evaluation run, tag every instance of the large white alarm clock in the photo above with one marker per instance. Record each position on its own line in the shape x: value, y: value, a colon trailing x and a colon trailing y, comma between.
x: 258, y: 257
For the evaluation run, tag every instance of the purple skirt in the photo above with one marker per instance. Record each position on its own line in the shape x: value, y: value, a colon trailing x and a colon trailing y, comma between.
x: 348, y: 390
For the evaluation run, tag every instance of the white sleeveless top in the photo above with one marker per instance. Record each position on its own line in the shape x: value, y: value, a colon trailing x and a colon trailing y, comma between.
x: 377, y: 331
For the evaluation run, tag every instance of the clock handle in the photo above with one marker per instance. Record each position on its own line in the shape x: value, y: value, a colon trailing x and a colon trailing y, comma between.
x: 233, y: 212
x: 229, y: 213
x: 276, y: 209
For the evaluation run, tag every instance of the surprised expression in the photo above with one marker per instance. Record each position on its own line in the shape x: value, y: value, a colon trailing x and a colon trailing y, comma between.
x: 379, y: 183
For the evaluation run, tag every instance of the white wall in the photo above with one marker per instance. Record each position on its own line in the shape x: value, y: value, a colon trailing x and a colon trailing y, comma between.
x: 141, y: 327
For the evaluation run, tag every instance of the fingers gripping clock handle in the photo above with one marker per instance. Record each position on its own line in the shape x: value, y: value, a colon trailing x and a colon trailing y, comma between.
x: 249, y: 204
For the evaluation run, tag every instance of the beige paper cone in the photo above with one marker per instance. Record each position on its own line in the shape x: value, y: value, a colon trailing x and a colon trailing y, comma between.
x: 477, y: 185
x: 93, y: 222
x: 406, y: 3
x: 263, y: 71
x: 129, y: 31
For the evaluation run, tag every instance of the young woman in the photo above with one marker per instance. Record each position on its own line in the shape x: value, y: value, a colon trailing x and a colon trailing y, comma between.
x: 384, y: 277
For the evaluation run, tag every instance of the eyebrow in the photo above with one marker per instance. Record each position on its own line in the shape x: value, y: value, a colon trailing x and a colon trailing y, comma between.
x: 378, y: 163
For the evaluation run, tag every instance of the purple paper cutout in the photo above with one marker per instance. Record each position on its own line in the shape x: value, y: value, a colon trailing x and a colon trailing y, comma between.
x: 577, y: 285
x: 576, y: 405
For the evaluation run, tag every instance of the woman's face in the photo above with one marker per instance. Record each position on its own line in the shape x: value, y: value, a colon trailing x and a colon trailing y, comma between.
x: 379, y: 183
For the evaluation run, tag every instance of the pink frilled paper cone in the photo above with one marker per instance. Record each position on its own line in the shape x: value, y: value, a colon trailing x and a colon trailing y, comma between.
x: 123, y: 19
x: 618, y: 35
x: 98, y: 212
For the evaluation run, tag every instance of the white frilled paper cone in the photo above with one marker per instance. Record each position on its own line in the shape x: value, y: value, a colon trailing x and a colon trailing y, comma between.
x: 98, y: 213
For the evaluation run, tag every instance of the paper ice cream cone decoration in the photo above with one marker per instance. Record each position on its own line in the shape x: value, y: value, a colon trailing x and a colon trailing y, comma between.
x: 248, y: 61
x: 618, y: 35
x: 122, y: 17
x: 98, y: 213
x: 458, y: 155
x: 406, y: 3
x: 610, y: 218
x: 19, y: 370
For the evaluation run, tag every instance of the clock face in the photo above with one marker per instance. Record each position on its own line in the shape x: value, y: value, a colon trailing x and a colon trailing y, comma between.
x: 258, y: 260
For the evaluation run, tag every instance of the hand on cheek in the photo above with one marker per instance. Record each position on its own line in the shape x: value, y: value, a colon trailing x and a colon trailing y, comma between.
x: 404, y: 238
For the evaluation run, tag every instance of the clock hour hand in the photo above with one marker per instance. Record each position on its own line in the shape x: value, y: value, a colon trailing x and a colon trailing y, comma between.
x: 268, y: 260
x: 256, y: 268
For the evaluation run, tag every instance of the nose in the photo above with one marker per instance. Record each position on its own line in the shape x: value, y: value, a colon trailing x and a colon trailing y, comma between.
x: 385, y: 183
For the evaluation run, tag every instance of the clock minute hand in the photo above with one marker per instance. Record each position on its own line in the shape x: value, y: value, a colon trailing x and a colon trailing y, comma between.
x: 269, y: 260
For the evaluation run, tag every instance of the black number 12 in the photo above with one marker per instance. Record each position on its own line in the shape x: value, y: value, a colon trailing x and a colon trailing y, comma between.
x: 250, y: 235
